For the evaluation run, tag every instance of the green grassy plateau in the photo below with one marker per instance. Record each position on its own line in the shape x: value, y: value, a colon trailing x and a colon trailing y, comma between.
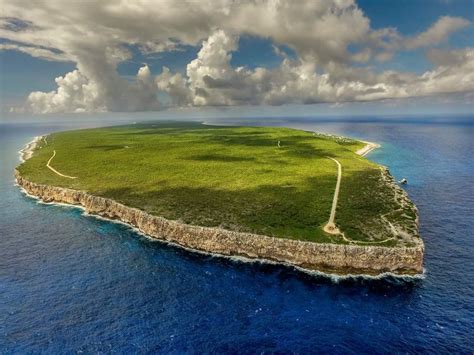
x: 236, y: 178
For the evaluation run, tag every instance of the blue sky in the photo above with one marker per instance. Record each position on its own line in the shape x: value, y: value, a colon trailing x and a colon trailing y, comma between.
x: 22, y: 73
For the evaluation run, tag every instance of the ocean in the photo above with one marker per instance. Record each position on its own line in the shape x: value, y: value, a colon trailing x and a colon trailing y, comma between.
x: 73, y: 283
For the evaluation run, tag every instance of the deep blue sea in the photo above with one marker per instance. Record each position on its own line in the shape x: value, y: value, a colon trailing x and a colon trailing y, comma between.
x: 71, y: 283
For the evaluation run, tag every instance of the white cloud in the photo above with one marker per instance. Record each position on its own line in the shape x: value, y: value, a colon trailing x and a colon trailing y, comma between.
x: 212, y: 81
x: 77, y: 93
x: 388, y: 40
x: 74, y: 94
x: 454, y: 73
x: 319, y: 29
x: 95, y: 36
x: 175, y: 85
x: 437, y: 33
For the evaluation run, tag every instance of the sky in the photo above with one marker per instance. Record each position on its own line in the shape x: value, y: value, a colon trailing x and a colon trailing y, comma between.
x: 257, y: 57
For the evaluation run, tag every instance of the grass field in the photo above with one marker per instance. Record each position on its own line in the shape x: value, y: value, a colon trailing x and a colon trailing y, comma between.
x: 233, y: 177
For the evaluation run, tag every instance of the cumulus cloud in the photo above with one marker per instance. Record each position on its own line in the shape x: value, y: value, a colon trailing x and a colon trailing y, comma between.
x: 97, y: 35
x: 77, y: 93
x: 212, y: 80
x: 454, y: 72
x: 74, y: 94
x: 321, y: 30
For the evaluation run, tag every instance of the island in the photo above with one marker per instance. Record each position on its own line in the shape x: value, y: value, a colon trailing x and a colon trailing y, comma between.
x: 311, y: 201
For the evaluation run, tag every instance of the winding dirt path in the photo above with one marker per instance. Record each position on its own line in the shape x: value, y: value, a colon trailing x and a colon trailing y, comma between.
x: 54, y: 170
x: 330, y: 227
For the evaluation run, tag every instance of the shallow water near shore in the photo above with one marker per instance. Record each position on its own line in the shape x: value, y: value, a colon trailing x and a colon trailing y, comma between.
x: 69, y: 282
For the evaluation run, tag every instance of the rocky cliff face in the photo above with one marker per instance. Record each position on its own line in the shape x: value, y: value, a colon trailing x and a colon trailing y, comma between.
x: 334, y: 258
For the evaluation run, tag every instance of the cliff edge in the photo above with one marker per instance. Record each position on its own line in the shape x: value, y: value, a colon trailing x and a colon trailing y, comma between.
x: 340, y: 259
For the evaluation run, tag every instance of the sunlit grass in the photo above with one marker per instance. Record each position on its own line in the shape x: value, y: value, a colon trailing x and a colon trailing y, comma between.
x: 233, y: 177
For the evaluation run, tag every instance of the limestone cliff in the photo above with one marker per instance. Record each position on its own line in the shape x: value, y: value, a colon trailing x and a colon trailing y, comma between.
x: 334, y: 258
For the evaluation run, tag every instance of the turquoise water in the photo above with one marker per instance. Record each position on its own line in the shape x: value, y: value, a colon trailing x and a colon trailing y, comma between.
x: 72, y: 283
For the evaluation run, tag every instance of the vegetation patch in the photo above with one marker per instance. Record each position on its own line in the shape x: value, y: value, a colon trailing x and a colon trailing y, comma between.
x: 273, y: 181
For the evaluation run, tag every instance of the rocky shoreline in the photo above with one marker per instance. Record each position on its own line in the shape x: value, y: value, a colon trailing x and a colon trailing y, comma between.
x: 338, y: 259
x: 27, y: 151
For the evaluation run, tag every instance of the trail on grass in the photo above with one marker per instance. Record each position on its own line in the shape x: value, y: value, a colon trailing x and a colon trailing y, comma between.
x: 330, y: 227
x: 54, y: 170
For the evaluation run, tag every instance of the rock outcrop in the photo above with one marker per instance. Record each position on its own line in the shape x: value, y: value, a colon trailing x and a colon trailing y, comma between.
x: 333, y: 258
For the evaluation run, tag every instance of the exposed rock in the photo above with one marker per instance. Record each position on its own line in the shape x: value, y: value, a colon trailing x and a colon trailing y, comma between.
x: 334, y: 258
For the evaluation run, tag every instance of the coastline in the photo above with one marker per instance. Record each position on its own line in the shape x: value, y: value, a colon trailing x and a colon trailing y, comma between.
x: 27, y: 151
x: 369, y: 147
x: 321, y: 258
x: 238, y: 259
